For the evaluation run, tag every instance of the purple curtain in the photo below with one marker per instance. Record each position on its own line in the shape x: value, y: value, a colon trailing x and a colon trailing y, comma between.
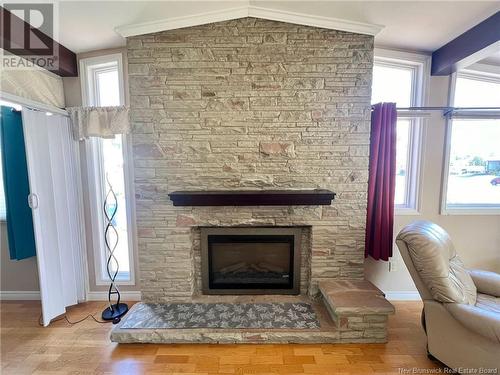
x: 381, y: 182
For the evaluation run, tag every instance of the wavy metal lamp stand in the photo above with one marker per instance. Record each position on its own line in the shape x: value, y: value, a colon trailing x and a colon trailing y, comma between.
x: 115, y: 311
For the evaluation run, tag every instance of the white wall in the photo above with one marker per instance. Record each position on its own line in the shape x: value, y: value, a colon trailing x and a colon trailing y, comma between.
x: 476, y: 237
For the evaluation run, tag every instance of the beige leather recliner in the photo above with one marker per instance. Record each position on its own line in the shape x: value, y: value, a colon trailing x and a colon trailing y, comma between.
x: 461, y: 313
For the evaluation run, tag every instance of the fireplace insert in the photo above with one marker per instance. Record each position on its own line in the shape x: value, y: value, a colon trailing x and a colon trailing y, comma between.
x: 250, y: 260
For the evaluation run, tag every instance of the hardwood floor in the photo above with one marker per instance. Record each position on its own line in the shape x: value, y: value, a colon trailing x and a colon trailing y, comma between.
x: 84, y: 348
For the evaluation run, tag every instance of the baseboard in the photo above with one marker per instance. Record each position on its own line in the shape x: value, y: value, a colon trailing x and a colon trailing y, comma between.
x: 402, y: 296
x: 125, y: 296
x: 19, y: 295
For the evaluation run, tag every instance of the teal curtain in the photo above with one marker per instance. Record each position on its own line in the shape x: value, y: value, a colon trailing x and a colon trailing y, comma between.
x: 16, y: 185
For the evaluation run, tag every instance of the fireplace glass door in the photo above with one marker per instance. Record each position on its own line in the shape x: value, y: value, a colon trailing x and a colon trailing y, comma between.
x: 255, y: 263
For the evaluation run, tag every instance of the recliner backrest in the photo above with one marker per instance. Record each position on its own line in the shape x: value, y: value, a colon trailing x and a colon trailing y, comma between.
x: 437, y: 264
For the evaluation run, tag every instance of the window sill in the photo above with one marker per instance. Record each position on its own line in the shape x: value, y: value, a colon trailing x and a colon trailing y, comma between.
x: 471, y: 210
x: 117, y: 282
x: 406, y: 211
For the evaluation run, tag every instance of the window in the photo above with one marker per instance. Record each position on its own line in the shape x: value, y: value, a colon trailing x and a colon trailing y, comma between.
x: 102, y: 85
x: 398, y: 78
x: 472, y: 178
x: 392, y: 83
x: 102, y: 80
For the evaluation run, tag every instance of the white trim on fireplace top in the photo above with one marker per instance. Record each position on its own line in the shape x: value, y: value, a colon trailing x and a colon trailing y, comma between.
x: 172, y: 23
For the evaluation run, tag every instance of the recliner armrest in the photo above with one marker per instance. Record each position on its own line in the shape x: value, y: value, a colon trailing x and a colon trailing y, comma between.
x: 484, y: 322
x: 486, y: 282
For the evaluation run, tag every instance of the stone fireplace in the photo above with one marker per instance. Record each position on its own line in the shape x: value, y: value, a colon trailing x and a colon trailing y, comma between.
x: 249, y: 104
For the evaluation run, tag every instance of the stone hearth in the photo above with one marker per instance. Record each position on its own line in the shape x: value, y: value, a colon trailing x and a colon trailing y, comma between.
x: 349, y: 312
x: 326, y: 333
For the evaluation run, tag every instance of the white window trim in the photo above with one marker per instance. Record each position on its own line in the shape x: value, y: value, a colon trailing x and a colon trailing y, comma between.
x: 91, y: 65
x: 88, y: 67
x: 463, y: 209
x: 415, y: 157
x: 420, y: 66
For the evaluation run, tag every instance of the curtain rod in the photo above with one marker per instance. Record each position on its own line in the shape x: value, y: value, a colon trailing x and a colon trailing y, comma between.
x: 447, y: 108
x: 31, y: 104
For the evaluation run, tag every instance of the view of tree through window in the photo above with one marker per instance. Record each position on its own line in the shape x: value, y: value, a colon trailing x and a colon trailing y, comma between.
x: 474, y: 169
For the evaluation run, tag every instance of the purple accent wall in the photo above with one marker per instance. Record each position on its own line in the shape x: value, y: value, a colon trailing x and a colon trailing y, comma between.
x: 446, y: 58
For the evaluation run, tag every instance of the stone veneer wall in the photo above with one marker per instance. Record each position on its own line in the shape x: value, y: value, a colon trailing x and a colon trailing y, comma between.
x: 248, y: 104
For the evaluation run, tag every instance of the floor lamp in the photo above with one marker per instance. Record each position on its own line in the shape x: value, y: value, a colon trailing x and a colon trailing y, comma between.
x: 116, y: 310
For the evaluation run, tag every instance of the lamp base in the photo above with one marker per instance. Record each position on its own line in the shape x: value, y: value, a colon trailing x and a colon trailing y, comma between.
x: 117, y: 312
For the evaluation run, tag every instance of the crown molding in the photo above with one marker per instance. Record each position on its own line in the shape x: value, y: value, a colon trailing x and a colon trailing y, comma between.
x: 248, y: 11
x: 313, y: 20
x: 183, y: 21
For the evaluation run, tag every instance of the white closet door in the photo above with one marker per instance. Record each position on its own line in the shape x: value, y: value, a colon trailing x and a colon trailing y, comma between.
x: 55, y: 210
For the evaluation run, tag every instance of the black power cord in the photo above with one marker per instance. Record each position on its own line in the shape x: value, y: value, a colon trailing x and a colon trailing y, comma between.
x: 65, y: 317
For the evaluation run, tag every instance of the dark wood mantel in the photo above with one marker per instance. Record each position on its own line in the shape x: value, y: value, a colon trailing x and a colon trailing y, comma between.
x: 252, y: 197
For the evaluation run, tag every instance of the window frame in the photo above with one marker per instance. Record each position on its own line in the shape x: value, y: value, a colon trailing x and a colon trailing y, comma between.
x: 475, y: 72
x: 89, y: 68
x: 420, y: 67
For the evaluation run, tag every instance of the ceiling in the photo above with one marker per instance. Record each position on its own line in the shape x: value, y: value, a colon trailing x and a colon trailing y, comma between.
x: 493, y: 59
x: 409, y: 25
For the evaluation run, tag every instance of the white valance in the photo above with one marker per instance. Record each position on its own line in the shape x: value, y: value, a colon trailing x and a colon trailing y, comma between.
x: 102, y: 122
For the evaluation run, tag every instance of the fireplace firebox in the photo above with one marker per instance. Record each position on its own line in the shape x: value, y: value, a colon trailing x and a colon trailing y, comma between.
x: 250, y: 260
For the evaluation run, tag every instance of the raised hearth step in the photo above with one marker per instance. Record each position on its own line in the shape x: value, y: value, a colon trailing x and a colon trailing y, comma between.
x: 354, y: 297
x: 357, y: 307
